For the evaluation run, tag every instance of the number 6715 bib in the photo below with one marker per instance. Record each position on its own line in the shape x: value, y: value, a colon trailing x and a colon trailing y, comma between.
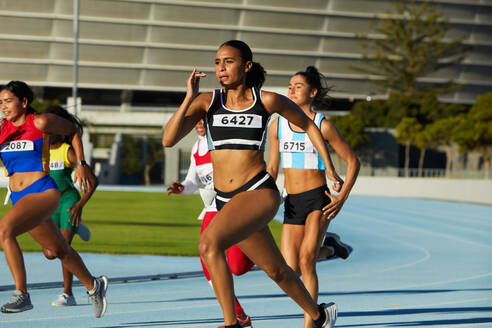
x: 296, y: 146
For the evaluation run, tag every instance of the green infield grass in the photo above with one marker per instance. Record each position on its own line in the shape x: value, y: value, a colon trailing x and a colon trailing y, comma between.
x: 123, y: 222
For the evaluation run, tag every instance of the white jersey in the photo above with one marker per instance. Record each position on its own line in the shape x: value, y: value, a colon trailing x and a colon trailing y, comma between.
x: 201, y: 172
x: 296, y: 149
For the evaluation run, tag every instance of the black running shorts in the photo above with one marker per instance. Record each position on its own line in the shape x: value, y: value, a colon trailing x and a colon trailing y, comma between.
x: 298, y: 206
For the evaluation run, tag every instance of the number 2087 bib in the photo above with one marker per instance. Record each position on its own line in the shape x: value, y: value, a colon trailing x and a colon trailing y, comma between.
x: 17, y: 145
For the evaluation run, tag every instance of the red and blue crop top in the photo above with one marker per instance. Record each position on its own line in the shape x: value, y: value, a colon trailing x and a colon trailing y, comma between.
x: 24, y: 148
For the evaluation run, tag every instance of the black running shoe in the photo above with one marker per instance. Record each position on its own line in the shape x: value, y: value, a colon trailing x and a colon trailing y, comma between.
x: 333, y: 240
x: 18, y: 302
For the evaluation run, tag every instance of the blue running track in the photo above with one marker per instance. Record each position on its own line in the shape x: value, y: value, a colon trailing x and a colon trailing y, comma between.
x: 415, y: 263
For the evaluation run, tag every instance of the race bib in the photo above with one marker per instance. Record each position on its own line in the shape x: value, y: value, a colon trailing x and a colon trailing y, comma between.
x: 17, y: 145
x: 206, y: 179
x: 238, y: 120
x: 57, y: 165
x: 296, y: 146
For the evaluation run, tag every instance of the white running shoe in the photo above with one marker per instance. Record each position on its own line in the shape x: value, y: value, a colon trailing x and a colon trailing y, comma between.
x: 84, y: 232
x: 64, y: 300
x: 98, y: 297
x: 331, y: 311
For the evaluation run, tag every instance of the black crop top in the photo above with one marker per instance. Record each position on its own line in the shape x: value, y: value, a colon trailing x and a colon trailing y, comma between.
x: 236, y: 129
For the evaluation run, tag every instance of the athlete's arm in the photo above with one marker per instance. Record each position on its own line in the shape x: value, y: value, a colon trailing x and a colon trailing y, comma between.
x: 53, y: 124
x: 190, y: 183
x: 76, y: 209
x: 342, y: 148
x: 192, y: 109
x: 83, y: 174
x: 276, y: 103
x: 274, y: 155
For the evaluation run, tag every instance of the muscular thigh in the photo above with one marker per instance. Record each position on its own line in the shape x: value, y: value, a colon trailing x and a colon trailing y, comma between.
x: 292, y: 236
x: 246, y: 213
x: 30, y: 211
x: 48, y: 235
x: 315, y: 229
x: 261, y: 248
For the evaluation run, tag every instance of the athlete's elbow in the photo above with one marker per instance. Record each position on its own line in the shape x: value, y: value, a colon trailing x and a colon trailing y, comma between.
x: 168, y: 142
x: 355, y: 163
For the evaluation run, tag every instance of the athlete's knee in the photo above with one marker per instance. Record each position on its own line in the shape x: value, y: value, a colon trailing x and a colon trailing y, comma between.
x: 307, y: 262
x: 6, y: 233
x: 238, y: 262
x: 49, y: 254
x: 207, y: 247
x: 277, y: 273
x: 241, y: 266
x: 59, y: 252
x: 238, y: 269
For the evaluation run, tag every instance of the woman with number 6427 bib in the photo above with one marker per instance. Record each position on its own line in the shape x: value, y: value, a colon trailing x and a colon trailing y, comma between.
x: 236, y: 119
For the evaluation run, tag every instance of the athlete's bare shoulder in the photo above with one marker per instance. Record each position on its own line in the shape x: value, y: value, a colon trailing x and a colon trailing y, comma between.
x: 204, y: 100
x: 269, y: 96
x: 273, y: 101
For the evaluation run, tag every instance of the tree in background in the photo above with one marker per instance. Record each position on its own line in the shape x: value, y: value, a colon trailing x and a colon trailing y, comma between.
x: 351, y: 128
x: 474, y: 132
x: 406, y: 132
x: 423, y: 141
x: 431, y: 110
x: 131, y: 161
x: 413, y: 46
x: 141, y: 154
x: 443, y: 132
x: 154, y: 156
x: 40, y: 105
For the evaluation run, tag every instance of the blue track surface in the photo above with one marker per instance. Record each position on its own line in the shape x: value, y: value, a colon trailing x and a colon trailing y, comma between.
x: 415, y: 263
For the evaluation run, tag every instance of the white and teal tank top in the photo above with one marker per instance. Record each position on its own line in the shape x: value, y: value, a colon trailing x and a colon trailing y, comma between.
x: 296, y: 149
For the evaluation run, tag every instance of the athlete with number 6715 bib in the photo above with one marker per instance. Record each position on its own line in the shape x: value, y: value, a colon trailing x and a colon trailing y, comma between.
x: 236, y: 120
x: 309, y: 206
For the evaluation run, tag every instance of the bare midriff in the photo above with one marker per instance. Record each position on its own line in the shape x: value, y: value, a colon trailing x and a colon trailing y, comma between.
x: 234, y: 167
x: 297, y: 181
x: 21, y: 180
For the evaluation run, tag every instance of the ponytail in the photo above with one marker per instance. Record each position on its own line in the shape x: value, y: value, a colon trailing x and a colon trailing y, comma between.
x: 317, y: 81
x: 63, y: 113
x: 256, y: 75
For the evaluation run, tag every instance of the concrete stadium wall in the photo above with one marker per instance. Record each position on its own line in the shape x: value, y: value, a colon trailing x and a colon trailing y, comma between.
x: 460, y: 190
x: 473, y: 191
